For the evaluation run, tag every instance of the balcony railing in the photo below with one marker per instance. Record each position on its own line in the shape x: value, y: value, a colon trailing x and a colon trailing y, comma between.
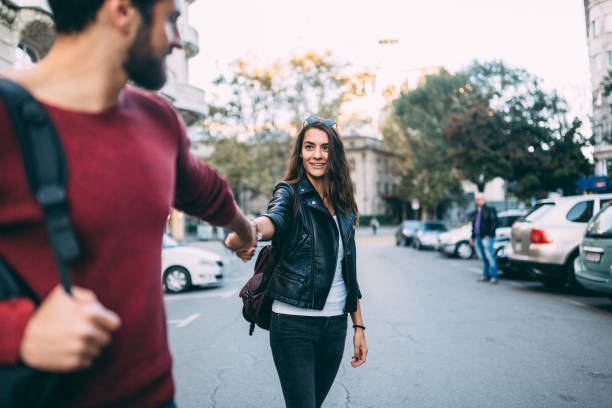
x: 191, y: 40
x: 188, y: 99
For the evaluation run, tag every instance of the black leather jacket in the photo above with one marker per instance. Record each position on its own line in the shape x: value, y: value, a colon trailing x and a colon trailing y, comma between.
x: 305, y: 273
x: 488, y: 222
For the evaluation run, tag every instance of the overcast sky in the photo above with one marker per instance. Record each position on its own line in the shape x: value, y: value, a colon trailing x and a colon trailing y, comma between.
x: 547, y: 37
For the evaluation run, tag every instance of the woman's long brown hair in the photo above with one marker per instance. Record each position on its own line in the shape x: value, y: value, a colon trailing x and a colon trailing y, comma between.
x: 337, y: 184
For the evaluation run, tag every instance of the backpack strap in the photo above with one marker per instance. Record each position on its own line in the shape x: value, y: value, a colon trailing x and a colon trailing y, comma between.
x: 46, y: 170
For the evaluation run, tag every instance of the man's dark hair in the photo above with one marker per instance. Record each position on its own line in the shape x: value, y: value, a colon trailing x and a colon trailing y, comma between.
x: 73, y: 16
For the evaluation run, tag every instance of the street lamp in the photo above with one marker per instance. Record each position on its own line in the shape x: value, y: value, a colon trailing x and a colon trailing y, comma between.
x: 388, y: 41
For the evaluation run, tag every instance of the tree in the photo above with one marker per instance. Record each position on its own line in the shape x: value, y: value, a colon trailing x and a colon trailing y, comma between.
x: 512, y: 128
x: 418, y: 119
x: 263, y: 104
x: 477, y: 146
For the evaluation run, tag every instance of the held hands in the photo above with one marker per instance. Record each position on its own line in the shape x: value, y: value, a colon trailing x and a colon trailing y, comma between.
x: 361, y: 349
x: 66, y: 333
x: 243, y: 248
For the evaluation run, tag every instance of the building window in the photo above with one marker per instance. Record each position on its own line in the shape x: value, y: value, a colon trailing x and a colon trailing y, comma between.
x: 599, y: 98
x: 596, y: 62
x: 378, y: 187
x: 610, y: 58
x: 596, y: 28
x: 608, y: 23
x: 386, y: 188
x: 597, y: 134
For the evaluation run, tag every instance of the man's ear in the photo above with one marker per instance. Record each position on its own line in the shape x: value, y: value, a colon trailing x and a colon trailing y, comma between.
x: 122, y: 15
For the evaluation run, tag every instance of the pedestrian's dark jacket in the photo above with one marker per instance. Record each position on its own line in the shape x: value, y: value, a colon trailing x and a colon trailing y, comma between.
x: 488, y: 222
x: 305, y: 273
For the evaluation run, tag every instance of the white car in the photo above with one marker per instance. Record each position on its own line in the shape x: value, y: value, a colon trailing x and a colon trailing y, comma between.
x: 184, y: 266
x: 456, y: 242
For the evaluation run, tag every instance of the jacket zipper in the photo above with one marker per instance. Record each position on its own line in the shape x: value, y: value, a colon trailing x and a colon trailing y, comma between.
x: 345, y: 261
x: 312, y: 271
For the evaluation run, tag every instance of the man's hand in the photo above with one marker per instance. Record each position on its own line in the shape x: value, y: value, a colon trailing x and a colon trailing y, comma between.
x: 361, y: 349
x: 243, y: 249
x: 66, y: 333
x: 472, y: 241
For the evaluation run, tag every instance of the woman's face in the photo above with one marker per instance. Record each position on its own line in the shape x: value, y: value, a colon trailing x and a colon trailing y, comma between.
x: 315, y: 151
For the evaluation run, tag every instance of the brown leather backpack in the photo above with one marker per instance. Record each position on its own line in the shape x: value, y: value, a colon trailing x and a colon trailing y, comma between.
x: 256, y: 306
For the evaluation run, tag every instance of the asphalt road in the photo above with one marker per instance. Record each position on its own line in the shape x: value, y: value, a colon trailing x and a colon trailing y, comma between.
x: 437, y: 338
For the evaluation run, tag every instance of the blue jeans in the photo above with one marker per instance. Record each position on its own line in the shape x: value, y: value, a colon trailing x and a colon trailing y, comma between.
x: 486, y: 252
x: 170, y: 404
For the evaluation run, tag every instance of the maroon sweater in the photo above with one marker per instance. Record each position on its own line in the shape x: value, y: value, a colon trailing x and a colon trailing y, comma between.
x: 127, y: 166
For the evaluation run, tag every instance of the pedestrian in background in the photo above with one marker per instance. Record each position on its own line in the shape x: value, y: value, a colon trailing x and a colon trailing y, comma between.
x: 484, y: 223
x: 129, y: 161
x: 374, y: 224
x: 314, y: 286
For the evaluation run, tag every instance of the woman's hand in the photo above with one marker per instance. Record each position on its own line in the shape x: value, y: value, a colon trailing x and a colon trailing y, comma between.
x: 361, y: 348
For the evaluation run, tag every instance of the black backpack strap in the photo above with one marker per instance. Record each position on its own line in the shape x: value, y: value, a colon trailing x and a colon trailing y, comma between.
x: 46, y: 170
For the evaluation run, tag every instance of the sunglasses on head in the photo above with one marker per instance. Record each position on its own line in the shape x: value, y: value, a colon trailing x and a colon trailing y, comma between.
x: 312, y: 119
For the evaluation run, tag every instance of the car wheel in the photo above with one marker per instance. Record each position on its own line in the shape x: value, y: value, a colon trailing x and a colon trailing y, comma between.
x: 177, y: 279
x: 464, y: 250
x: 570, y: 277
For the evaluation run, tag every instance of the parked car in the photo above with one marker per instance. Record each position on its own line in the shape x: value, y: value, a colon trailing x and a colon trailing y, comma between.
x: 593, y: 265
x: 185, y: 266
x: 456, y: 242
x: 405, y: 232
x: 426, y: 236
x: 546, y: 240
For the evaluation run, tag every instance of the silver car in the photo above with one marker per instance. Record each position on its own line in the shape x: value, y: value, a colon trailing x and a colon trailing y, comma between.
x: 546, y: 240
x: 456, y: 242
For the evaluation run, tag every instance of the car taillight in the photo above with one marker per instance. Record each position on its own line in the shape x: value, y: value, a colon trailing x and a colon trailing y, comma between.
x: 540, y: 237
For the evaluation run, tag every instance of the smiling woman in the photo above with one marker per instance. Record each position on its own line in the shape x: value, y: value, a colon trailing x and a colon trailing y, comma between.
x: 314, y: 286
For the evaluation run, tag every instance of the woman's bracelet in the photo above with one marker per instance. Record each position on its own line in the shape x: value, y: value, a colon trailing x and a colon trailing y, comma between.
x: 355, y: 326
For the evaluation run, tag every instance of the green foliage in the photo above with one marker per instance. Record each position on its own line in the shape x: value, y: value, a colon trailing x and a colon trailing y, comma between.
x: 383, y: 219
x: 251, y: 147
x: 415, y: 132
x: 488, y: 121
x: 511, y: 128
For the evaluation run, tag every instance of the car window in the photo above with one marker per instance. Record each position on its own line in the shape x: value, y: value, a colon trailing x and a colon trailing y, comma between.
x: 581, y: 212
x: 538, y: 211
x: 430, y: 226
x: 507, y: 220
x: 601, y: 225
x: 411, y: 224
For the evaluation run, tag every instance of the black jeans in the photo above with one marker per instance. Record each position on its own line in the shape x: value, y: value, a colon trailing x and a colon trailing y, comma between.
x: 307, y: 352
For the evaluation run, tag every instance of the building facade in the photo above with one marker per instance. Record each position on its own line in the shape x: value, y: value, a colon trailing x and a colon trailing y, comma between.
x: 598, y: 19
x: 375, y: 184
x: 26, y: 32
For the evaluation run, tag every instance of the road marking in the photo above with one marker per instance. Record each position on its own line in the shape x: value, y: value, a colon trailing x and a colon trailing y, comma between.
x: 184, y: 322
x: 225, y: 294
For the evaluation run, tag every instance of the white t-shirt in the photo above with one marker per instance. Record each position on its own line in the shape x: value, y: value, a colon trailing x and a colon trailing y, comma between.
x: 336, y: 299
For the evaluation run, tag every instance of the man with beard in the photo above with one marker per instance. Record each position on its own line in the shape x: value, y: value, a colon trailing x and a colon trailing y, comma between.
x: 129, y: 162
